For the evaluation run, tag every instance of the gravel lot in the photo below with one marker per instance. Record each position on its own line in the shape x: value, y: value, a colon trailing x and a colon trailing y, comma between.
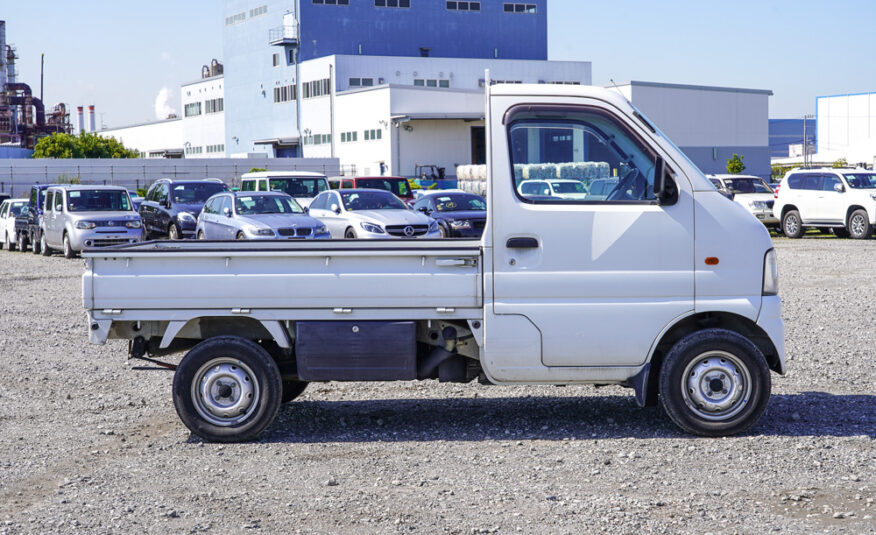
x: 87, y: 445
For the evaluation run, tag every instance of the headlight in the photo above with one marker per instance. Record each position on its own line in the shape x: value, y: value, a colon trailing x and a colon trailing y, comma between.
x: 263, y: 232
x: 322, y: 229
x: 770, y: 274
x: 133, y: 224
x: 370, y: 227
x: 460, y: 225
x: 185, y: 216
x: 433, y: 226
x: 84, y: 225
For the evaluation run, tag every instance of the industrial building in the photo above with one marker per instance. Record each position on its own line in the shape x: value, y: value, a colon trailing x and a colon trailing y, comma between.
x: 846, y: 128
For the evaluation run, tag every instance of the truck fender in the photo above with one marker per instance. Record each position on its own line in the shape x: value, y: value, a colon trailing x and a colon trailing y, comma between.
x: 274, y: 328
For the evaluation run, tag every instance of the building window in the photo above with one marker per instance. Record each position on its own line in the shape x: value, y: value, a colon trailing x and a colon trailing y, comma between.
x: 235, y: 19
x: 565, y: 83
x: 214, y: 105
x: 318, y: 139
x: 371, y: 135
x: 276, y: 58
x: 291, y: 55
x: 429, y: 82
x: 332, y: 2
x: 464, y: 6
x: 392, y: 3
x: 349, y: 137
x: 494, y: 82
x: 193, y: 109
x: 316, y: 88
x: 286, y: 93
x: 520, y: 8
x: 194, y: 150
x: 253, y: 13
x: 361, y: 82
x: 212, y: 149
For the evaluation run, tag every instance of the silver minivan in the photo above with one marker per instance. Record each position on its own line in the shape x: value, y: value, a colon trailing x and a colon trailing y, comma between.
x: 78, y: 217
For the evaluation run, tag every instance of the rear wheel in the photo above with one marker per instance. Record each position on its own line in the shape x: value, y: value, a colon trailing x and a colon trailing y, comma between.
x: 859, y: 227
x: 22, y: 242
x: 350, y: 234
x: 240, y: 236
x: 68, y: 249
x: 35, y: 246
x: 173, y: 232
x: 714, y: 382
x: 792, y: 227
x: 45, y: 250
x: 227, y: 389
x: 10, y: 244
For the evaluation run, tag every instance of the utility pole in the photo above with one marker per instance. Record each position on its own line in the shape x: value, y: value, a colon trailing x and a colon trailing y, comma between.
x: 42, y: 69
x: 806, y: 141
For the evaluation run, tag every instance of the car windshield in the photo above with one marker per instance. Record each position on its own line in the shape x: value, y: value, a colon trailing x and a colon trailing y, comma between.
x: 196, y: 192
x: 266, y: 204
x: 99, y: 200
x: 398, y: 186
x: 568, y: 187
x: 18, y: 208
x: 459, y: 203
x: 371, y: 200
x: 861, y: 180
x: 303, y: 187
x: 747, y: 185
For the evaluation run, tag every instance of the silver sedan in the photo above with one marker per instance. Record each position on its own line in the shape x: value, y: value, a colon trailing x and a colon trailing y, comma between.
x: 370, y: 213
x: 257, y: 216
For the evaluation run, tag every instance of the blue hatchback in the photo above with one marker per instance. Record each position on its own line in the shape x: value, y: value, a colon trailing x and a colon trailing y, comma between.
x: 459, y: 214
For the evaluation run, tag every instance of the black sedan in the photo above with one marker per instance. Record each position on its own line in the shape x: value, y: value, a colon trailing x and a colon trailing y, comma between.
x: 459, y: 214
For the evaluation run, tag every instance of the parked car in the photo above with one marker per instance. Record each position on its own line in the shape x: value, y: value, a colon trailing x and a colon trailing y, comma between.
x: 9, y: 210
x: 171, y: 207
x: 302, y: 186
x: 29, y: 223
x: 136, y: 200
x: 459, y: 215
x: 398, y: 186
x: 563, y: 188
x: 841, y: 199
x: 263, y: 215
x: 600, y: 188
x: 80, y: 217
x: 752, y: 192
x: 370, y: 213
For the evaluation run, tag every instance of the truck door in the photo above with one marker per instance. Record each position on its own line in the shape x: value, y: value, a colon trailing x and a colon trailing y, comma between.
x: 599, y: 278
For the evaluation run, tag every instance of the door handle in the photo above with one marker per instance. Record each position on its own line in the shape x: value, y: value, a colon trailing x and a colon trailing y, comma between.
x: 522, y: 243
x: 455, y: 262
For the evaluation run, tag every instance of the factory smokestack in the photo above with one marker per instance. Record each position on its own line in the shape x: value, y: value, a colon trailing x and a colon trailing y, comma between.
x: 91, y: 118
x: 81, y: 119
x: 2, y: 54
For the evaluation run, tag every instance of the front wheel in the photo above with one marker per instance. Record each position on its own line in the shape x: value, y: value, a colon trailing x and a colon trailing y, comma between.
x: 714, y: 382
x: 22, y: 242
x: 201, y: 235
x: 350, y: 234
x: 227, y: 389
x: 68, y: 249
x: 10, y: 244
x: 859, y: 227
x: 45, y: 250
x: 173, y: 232
x: 792, y: 226
x: 35, y: 246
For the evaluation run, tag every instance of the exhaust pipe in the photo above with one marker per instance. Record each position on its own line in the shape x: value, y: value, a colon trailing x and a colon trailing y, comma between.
x: 439, y: 355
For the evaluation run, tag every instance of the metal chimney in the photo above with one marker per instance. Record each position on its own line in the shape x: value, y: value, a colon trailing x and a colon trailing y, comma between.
x: 2, y: 55
x: 91, y: 118
x: 81, y: 119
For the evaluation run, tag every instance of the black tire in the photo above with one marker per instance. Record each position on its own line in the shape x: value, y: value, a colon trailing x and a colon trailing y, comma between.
x: 293, y: 389
x: 246, y: 369
x: 443, y: 231
x: 858, y: 226
x: 35, y: 246
x: 22, y: 243
x: 792, y: 225
x: 240, y: 236
x: 45, y: 250
x: 350, y: 234
x: 173, y: 232
x: 201, y: 235
x: 10, y: 245
x: 693, y: 370
x: 68, y: 249
x: 840, y: 232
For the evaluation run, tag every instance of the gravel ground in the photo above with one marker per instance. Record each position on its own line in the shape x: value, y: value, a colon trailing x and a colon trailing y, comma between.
x: 87, y: 445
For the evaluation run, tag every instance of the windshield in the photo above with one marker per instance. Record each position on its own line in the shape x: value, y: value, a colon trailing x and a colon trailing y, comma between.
x: 98, y: 201
x: 18, y: 208
x: 371, y: 200
x: 459, y: 203
x: 747, y: 185
x: 196, y: 192
x: 568, y: 187
x: 299, y: 186
x: 398, y: 186
x: 861, y: 180
x: 266, y: 204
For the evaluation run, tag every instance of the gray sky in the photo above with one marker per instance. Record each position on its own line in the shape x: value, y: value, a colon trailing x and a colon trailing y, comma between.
x: 119, y: 55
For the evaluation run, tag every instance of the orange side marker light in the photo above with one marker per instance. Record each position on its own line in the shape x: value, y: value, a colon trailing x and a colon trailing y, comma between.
x: 712, y: 261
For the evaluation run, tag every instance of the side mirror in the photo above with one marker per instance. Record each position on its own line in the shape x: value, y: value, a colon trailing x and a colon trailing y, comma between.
x: 839, y: 188
x: 665, y: 189
x: 226, y: 211
x: 425, y: 210
x: 335, y: 208
x: 306, y: 209
x: 166, y: 203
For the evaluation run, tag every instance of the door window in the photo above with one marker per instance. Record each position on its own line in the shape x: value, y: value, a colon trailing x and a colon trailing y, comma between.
x: 582, y: 144
x: 829, y: 182
x: 59, y: 201
x: 812, y: 182
x: 49, y: 200
x: 319, y: 203
x: 347, y: 184
x: 248, y: 185
x: 226, y: 203
x: 163, y: 193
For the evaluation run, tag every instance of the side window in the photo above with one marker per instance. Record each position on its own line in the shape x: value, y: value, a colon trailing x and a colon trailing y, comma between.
x: 50, y: 197
x: 59, y: 201
x: 5, y: 210
x: 162, y: 193
x: 829, y: 182
x: 34, y: 197
x: 320, y: 202
x: 248, y: 185
x: 226, y: 203
x: 208, y: 206
x: 263, y: 184
x: 578, y: 147
x: 150, y: 194
x: 347, y: 184
x: 812, y: 182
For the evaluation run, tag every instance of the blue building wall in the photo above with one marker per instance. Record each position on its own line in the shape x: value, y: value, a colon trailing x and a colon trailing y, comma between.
x: 784, y: 132
x: 14, y: 152
x: 363, y: 28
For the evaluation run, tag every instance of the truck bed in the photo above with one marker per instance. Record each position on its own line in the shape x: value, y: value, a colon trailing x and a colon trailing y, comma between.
x: 287, y: 280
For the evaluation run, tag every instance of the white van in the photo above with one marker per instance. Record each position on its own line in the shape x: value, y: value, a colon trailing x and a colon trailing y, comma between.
x: 301, y: 185
x: 840, y: 199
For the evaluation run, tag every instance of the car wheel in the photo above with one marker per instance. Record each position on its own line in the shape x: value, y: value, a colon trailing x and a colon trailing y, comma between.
x: 10, y: 244
x: 45, y: 250
x: 293, y: 389
x: 350, y: 234
x: 68, y: 249
x: 859, y: 227
x: 792, y: 227
x: 35, y: 246
x: 22, y: 243
x: 840, y: 232
x: 240, y: 236
x: 442, y: 231
x: 227, y: 389
x: 714, y: 382
x: 201, y: 235
x: 173, y: 232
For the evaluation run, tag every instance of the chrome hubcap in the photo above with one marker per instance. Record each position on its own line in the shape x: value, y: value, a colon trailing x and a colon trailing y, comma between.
x: 225, y: 392
x: 716, y: 385
x: 858, y: 225
x: 791, y: 225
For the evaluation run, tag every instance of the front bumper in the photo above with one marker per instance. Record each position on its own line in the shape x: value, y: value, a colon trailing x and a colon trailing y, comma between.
x: 92, y: 238
x: 770, y: 320
x: 764, y: 215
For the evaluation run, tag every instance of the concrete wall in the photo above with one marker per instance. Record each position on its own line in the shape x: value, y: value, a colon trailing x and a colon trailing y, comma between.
x: 847, y: 127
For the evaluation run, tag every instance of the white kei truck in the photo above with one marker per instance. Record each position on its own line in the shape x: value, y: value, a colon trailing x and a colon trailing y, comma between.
x: 663, y: 286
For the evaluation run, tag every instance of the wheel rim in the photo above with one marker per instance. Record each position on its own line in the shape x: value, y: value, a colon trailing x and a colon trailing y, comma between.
x: 716, y: 385
x: 172, y: 234
x: 349, y: 235
x: 225, y: 392
x: 66, y: 246
x: 43, y: 242
x: 791, y: 225
x: 858, y: 225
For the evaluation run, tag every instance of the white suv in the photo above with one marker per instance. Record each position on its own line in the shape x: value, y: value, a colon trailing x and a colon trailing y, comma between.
x: 841, y: 199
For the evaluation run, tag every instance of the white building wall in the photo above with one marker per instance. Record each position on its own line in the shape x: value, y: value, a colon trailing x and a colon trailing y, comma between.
x: 145, y: 138
x: 846, y: 128
x: 445, y: 143
x: 205, y: 133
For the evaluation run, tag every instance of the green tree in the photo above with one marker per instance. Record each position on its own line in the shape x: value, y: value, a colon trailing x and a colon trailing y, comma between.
x: 85, y: 145
x: 735, y: 165
x: 257, y: 170
x: 842, y: 162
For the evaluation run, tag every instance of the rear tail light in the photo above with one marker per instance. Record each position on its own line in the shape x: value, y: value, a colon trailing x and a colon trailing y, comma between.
x: 776, y: 193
